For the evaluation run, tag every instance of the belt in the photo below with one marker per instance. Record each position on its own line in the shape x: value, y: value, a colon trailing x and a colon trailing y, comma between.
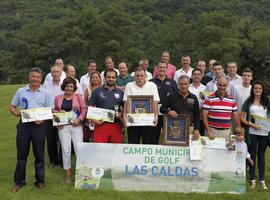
x: 220, y: 128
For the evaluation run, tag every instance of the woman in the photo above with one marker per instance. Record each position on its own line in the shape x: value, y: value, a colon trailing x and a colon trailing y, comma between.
x: 70, y: 101
x: 256, y: 104
x: 95, y: 81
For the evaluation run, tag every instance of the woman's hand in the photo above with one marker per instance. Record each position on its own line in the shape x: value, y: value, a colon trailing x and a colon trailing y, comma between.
x: 76, y: 122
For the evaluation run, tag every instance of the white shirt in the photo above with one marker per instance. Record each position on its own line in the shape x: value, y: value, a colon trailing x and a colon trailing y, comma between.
x: 53, y: 88
x: 181, y: 72
x: 79, y: 88
x: 102, y: 75
x: 84, y: 81
x: 50, y: 78
x: 148, y: 75
x: 261, y: 112
x: 196, y: 92
x: 212, y: 87
x: 236, y: 81
x: 241, y: 94
x: 149, y: 88
x: 242, y: 147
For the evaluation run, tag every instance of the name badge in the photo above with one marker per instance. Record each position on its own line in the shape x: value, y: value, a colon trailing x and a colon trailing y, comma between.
x: 190, y: 101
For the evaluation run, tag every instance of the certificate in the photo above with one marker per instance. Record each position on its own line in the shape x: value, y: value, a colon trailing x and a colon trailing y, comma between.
x: 204, y: 94
x: 196, y: 150
x: 217, y: 143
x: 264, y: 123
x: 140, y: 119
x: 36, y: 114
x: 63, y: 118
x: 100, y: 114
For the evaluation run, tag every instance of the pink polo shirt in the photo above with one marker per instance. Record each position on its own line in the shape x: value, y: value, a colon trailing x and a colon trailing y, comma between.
x: 170, y: 71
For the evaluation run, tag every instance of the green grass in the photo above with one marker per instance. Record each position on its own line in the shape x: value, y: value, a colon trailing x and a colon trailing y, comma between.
x: 56, y: 187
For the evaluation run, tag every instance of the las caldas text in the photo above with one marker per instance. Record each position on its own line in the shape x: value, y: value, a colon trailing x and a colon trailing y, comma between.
x: 159, y: 162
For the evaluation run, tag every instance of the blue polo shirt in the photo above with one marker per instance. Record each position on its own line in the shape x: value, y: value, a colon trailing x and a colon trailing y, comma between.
x: 25, y: 98
x: 103, y: 98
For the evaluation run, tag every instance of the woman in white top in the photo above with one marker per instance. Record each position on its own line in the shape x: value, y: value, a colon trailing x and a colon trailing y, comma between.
x: 256, y: 104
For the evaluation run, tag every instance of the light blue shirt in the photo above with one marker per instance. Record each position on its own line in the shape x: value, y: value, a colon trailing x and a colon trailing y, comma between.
x: 27, y: 99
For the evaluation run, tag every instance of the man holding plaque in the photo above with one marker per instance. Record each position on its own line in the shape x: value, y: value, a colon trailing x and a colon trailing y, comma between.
x: 137, y: 88
x: 184, y: 102
x: 166, y: 86
x: 111, y: 98
x: 31, y: 96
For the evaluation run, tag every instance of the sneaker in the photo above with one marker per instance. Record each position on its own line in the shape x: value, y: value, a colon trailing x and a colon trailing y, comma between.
x: 252, y: 184
x: 263, y: 185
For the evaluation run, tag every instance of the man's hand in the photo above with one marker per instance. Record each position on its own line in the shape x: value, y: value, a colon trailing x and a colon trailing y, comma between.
x: 98, y: 122
x: 76, y: 122
x: 155, y: 120
x: 196, y: 134
x: 211, y: 134
x: 172, y: 113
x: 39, y: 122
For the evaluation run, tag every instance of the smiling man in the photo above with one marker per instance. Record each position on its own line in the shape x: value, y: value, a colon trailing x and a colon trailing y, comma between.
x: 31, y: 96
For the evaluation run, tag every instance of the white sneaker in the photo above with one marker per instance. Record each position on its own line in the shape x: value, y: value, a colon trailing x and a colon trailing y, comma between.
x: 263, y: 185
x: 252, y: 184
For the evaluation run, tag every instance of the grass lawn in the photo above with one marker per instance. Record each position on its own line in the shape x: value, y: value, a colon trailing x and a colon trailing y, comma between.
x: 56, y: 187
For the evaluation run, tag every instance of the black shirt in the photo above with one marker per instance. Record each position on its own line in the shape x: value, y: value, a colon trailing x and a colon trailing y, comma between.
x: 206, y: 79
x: 165, y: 88
x: 66, y: 105
x: 181, y: 105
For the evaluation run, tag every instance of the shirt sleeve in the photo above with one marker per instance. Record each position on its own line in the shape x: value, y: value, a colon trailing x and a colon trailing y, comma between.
x: 165, y: 108
x: 155, y: 92
x: 16, y: 99
x: 206, y: 103
x: 127, y: 92
x: 92, y: 100
x: 196, y: 114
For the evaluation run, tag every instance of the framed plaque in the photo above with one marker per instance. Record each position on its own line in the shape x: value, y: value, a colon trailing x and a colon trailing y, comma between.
x: 140, y: 110
x: 176, y: 130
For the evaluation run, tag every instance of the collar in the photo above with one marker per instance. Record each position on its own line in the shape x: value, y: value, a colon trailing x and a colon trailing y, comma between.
x: 29, y: 89
x: 179, y: 95
x: 105, y: 88
x: 216, y: 94
x: 156, y: 78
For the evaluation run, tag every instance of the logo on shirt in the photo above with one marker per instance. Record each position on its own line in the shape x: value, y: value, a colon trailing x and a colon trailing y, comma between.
x: 168, y: 83
x: 102, y: 95
x: 116, y: 95
x: 190, y: 101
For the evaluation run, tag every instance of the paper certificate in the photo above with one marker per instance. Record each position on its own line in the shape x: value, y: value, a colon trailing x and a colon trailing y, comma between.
x: 264, y: 123
x: 204, y: 93
x: 140, y: 119
x: 196, y: 150
x: 100, y: 114
x: 159, y: 113
x: 217, y: 143
x: 63, y: 118
x: 36, y: 114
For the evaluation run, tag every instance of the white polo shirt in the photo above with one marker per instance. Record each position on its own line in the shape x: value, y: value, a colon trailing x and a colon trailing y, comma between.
x: 196, y: 92
x: 148, y: 75
x: 84, y: 81
x: 149, y: 88
x: 181, y: 72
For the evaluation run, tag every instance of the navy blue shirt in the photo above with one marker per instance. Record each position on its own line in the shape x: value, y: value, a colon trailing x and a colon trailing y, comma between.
x: 165, y: 88
x: 103, y: 98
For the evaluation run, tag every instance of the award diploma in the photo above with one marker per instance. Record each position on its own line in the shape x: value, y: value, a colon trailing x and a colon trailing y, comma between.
x: 264, y: 123
x: 217, y: 143
x: 100, y: 114
x: 36, y: 114
x: 140, y: 119
x: 63, y: 118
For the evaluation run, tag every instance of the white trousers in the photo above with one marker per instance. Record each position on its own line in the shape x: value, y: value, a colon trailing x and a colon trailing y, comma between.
x: 66, y: 135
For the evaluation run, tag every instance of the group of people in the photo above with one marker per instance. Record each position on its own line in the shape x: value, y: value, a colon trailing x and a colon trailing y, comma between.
x: 215, y: 103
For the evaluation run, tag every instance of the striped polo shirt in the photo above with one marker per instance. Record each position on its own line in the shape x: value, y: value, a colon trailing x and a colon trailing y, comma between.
x: 220, y: 110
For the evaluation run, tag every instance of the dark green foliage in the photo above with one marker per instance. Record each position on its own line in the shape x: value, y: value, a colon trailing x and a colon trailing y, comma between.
x: 34, y: 33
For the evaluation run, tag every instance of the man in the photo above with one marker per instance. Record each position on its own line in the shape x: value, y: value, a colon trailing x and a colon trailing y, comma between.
x: 165, y: 87
x: 144, y: 64
x: 31, y: 96
x: 211, y: 73
x: 218, y: 71
x: 202, y: 66
x: 59, y: 62
x: 71, y: 72
x: 141, y: 87
x: 185, y: 70
x: 54, y: 88
x: 108, y: 97
x: 242, y: 92
x: 124, y: 78
x: 109, y: 64
x: 165, y: 58
x: 184, y: 102
x: 84, y: 81
x: 196, y: 87
x: 218, y: 109
x: 232, y: 74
